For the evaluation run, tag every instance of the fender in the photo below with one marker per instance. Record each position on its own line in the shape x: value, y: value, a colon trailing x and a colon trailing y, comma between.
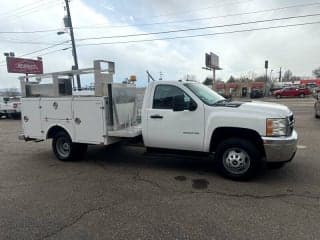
x: 53, y: 125
x: 221, y: 117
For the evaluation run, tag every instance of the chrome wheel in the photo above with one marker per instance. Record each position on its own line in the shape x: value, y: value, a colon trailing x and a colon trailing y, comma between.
x: 236, y: 161
x: 63, y: 146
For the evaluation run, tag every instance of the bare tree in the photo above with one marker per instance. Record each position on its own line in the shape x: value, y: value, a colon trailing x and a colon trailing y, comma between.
x: 316, y: 72
x: 260, y: 78
x: 287, y: 76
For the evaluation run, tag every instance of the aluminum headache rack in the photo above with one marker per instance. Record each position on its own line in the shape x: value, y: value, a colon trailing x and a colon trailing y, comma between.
x: 123, y: 105
x: 62, y: 82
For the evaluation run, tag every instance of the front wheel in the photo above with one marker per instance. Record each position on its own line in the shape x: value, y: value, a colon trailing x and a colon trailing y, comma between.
x: 278, y: 96
x: 238, y: 159
x: 65, y: 150
x: 302, y: 95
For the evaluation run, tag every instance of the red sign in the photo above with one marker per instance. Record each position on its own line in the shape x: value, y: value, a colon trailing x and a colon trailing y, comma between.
x: 22, y: 65
x: 232, y: 85
x: 257, y: 85
x: 315, y: 81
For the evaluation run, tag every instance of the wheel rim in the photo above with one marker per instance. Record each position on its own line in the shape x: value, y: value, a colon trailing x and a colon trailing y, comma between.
x: 236, y: 161
x: 63, y: 147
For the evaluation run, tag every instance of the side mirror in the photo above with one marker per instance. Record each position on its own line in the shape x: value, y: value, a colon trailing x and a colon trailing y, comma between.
x: 193, y: 106
x: 178, y: 103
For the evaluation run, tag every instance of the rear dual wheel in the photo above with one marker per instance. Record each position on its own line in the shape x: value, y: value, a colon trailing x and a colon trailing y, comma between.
x: 65, y: 150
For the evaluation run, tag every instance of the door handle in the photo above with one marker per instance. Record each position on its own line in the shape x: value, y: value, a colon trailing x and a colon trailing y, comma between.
x: 156, y: 116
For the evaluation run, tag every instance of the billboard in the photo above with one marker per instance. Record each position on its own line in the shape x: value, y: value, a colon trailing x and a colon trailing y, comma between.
x: 212, y: 61
x: 23, y: 65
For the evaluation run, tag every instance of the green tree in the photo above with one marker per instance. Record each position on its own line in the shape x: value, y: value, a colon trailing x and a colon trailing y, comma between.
x: 231, y: 79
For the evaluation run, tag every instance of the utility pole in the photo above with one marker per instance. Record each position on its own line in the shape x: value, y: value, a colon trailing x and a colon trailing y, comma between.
x: 74, y: 51
x: 280, y: 74
x: 266, y: 65
x: 161, y: 76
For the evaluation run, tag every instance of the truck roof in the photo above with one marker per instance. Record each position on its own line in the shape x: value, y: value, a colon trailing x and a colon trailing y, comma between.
x: 173, y: 81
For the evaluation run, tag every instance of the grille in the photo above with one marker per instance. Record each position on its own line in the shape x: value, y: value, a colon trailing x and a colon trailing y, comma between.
x: 290, y: 125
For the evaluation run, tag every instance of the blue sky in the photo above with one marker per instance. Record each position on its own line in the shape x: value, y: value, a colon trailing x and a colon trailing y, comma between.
x: 241, y: 54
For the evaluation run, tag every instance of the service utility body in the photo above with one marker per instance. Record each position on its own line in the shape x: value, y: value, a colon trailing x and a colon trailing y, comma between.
x: 175, y: 116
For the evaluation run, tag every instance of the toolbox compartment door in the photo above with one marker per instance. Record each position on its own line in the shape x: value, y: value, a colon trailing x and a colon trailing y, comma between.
x: 31, y: 118
x: 89, y: 120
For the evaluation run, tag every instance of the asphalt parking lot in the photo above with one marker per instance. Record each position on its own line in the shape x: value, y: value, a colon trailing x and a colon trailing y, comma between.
x: 120, y: 193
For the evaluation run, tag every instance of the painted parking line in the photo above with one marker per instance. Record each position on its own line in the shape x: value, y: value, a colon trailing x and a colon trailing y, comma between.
x: 301, y: 147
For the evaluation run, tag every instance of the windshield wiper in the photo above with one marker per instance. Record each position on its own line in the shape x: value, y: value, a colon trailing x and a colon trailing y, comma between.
x: 222, y: 101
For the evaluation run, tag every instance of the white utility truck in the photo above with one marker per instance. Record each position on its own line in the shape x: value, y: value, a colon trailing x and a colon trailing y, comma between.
x: 10, y: 107
x: 179, y: 116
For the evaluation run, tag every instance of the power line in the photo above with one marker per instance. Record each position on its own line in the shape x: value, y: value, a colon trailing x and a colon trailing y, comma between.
x: 200, y: 28
x: 44, y: 54
x: 201, y: 35
x: 37, y: 9
x: 167, y: 22
x: 21, y: 7
x: 31, y: 9
x: 25, y: 42
x: 54, y: 51
x: 202, y: 18
x: 42, y: 49
x: 198, y: 9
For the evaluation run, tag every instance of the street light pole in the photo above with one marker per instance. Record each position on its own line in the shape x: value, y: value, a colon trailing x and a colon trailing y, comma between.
x: 74, y: 51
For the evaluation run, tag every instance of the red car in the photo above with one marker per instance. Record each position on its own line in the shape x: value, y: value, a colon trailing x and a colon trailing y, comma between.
x: 292, y: 92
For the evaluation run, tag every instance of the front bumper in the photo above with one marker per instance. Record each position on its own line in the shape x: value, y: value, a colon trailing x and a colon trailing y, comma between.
x: 8, y: 111
x: 280, y: 149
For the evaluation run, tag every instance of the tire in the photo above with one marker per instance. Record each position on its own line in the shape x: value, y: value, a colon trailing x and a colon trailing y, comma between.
x: 65, y: 150
x: 302, y: 95
x: 275, y: 165
x: 16, y: 116
x: 278, y: 96
x: 238, y: 159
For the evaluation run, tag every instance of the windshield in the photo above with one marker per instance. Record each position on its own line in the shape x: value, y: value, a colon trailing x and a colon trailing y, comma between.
x: 207, y: 95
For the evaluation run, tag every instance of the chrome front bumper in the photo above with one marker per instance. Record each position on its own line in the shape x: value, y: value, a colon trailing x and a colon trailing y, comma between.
x: 280, y: 149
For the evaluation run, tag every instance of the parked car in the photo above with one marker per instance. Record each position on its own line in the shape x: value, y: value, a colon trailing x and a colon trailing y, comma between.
x: 10, y: 107
x: 256, y: 93
x: 292, y: 92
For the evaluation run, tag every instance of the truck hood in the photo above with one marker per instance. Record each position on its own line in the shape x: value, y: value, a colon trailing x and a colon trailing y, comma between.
x: 265, y: 108
x: 258, y: 107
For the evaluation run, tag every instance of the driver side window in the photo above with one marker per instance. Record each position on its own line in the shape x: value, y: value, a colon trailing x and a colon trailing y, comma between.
x: 165, y: 94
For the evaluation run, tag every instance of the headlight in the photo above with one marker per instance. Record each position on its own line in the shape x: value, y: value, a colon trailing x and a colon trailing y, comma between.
x: 276, y: 127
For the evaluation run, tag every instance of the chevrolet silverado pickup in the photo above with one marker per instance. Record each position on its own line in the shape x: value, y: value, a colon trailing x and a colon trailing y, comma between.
x: 180, y: 116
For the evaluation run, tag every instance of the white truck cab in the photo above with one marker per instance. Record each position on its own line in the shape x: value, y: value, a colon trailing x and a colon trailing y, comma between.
x: 175, y: 115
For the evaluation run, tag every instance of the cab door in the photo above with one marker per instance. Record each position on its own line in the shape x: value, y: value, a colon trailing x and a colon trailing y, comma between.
x: 166, y: 128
